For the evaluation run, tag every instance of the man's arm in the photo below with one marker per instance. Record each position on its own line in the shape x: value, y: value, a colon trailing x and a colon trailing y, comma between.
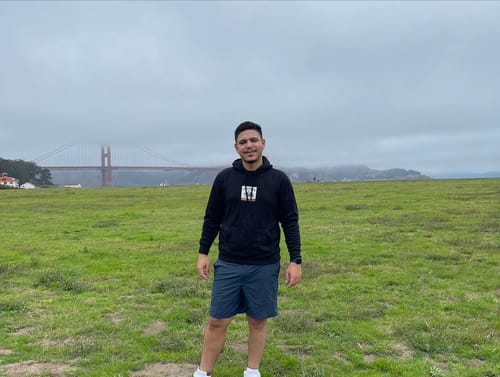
x: 289, y: 218
x: 211, y: 227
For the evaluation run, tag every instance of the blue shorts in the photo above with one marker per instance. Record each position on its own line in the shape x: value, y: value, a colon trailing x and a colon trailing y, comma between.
x: 243, y: 288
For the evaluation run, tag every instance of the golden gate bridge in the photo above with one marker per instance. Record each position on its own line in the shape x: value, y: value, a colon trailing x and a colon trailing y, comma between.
x: 77, y: 157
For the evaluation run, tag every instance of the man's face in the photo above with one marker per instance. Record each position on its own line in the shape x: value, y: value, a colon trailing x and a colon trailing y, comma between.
x: 250, y: 146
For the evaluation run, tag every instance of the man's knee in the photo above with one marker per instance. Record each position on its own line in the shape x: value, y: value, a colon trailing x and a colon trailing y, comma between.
x: 257, y: 324
x: 218, y: 324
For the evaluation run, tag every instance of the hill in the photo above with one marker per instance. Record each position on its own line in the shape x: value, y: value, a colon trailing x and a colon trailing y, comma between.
x: 351, y: 173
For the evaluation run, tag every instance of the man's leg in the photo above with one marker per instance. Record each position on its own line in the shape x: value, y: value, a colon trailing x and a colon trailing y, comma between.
x: 256, y: 341
x: 213, y: 341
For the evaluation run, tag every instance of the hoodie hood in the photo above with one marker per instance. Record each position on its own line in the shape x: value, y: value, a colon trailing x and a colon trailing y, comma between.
x: 266, y: 165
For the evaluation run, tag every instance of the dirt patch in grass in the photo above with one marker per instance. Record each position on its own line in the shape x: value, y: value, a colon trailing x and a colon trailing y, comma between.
x: 6, y: 351
x: 368, y: 358
x: 404, y: 351
x: 35, y: 368
x: 48, y: 343
x: 154, y: 328
x: 115, y: 317
x: 441, y: 365
x: 239, y: 346
x: 56, y: 343
x: 166, y: 370
x: 474, y: 362
x: 341, y: 358
x: 24, y: 331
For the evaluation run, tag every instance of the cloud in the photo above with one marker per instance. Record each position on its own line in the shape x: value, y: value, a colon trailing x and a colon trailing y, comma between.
x: 388, y: 84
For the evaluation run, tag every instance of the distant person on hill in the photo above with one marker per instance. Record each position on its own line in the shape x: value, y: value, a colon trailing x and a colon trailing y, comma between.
x: 247, y: 204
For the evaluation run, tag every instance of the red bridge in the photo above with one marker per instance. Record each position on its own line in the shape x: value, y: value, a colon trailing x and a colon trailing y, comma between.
x: 106, y: 167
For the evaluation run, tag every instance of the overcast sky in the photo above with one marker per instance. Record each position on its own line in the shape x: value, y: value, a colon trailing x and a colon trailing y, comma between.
x: 412, y: 85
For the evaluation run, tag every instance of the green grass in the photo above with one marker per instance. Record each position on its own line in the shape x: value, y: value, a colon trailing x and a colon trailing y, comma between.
x: 401, y: 278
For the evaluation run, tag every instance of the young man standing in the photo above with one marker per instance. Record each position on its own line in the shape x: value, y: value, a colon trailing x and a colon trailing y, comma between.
x: 247, y: 204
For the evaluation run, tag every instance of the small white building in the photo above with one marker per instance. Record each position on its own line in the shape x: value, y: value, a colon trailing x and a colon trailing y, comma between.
x: 73, y: 185
x: 28, y: 186
x: 5, y: 180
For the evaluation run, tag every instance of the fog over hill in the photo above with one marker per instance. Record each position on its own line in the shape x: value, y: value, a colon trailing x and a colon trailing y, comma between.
x: 465, y: 174
x: 148, y: 178
x: 350, y: 173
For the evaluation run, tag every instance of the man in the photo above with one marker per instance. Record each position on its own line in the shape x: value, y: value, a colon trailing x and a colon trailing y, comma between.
x: 247, y: 204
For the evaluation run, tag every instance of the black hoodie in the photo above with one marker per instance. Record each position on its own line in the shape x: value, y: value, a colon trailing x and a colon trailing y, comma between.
x: 245, y: 208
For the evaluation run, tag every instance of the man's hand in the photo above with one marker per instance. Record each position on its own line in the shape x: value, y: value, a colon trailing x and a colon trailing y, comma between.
x: 293, y: 274
x: 203, y: 266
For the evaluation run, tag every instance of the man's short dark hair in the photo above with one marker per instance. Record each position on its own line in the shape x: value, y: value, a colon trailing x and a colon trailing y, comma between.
x: 247, y: 126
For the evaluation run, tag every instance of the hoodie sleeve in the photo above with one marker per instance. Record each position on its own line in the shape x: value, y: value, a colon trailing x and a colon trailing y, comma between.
x: 213, y: 216
x: 289, y: 218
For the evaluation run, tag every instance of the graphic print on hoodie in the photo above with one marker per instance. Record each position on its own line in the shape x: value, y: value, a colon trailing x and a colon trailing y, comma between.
x: 248, y: 193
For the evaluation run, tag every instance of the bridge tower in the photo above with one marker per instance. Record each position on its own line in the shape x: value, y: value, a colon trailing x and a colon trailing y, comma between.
x: 106, y: 169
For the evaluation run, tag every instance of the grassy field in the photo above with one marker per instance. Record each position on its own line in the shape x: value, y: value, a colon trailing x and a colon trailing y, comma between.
x: 401, y: 278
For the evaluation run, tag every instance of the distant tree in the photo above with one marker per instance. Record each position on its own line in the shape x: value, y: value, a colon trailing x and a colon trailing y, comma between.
x: 26, y: 171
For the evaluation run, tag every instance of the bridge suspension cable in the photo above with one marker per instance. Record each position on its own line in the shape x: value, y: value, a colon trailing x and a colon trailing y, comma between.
x: 79, y: 155
x: 160, y: 156
x: 52, y: 153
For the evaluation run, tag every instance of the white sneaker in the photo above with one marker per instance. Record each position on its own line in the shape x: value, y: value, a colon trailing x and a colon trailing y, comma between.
x: 251, y: 373
x: 200, y: 373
